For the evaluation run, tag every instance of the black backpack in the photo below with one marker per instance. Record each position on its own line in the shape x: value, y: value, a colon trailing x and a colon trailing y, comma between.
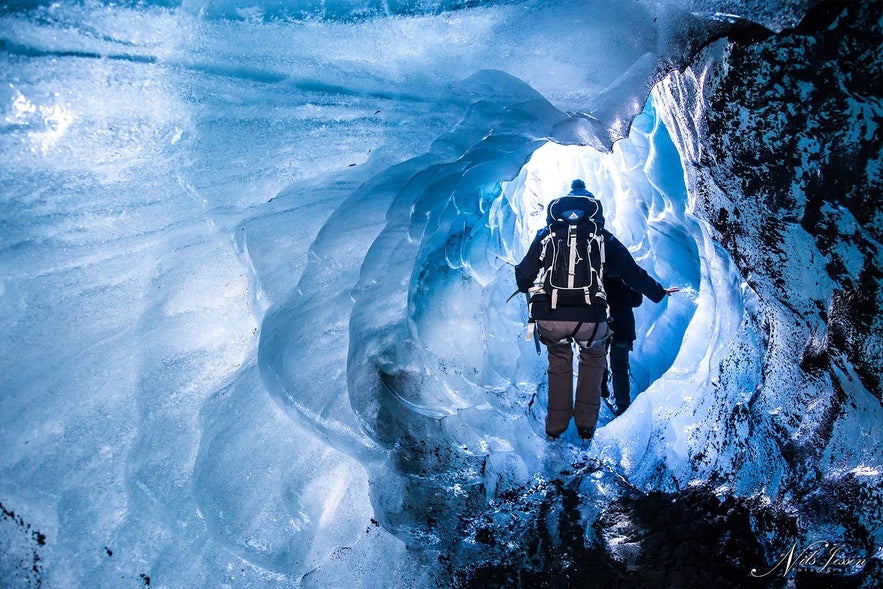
x: 572, y: 253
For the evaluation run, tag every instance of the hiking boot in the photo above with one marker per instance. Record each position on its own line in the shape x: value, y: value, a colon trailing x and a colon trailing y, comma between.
x: 553, y: 437
x: 620, y: 408
x: 585, y: 433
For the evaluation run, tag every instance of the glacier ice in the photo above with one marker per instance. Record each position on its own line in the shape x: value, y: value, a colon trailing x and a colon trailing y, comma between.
x: 253, y: 266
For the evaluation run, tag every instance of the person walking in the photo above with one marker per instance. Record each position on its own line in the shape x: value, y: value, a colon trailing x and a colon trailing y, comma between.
x: 622, y: 300
x: 569, y: 305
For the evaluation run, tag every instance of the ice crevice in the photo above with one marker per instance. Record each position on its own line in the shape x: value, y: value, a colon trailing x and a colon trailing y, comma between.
x: 427, y: 381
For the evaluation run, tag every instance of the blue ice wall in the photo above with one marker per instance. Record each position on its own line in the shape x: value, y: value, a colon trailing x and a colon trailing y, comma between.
x: 253, y: 273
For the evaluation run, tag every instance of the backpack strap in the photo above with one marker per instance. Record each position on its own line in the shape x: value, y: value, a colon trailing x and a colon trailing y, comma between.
x: 591, y: 341
x: 571, y: 262
x: 531, y: 325
x: 576, y: 330
x: 543, y: 243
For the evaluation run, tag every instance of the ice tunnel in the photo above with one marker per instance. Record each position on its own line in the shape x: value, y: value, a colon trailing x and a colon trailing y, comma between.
x: 442, y: 388
x: 254, y: 263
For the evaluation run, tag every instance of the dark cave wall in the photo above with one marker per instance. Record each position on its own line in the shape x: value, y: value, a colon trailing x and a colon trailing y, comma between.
x: 781, y: 137
x: 788, y: 147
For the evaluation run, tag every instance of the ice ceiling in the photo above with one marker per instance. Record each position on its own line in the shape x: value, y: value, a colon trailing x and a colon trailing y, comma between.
x: 254, y: 271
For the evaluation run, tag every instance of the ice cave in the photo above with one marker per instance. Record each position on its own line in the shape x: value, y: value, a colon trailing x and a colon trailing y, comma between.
x: 255, y: 259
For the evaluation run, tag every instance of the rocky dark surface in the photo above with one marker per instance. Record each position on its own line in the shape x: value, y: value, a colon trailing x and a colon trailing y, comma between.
x: 791, y: 138
x: 20, y: 560
x: 784, y: 164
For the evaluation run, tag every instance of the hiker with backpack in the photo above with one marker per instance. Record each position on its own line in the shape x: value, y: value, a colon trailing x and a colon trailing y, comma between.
x: 569, y: 303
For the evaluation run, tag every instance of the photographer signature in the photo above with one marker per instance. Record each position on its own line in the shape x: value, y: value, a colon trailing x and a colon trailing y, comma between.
x: 819, y: 556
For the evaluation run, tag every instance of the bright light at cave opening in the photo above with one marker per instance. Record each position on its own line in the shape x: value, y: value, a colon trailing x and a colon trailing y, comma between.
x: 548, y: 175
x: 641, y: 182
x: 642, y: 188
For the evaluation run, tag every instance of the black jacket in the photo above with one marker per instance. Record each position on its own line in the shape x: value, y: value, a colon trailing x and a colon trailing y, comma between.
x: 618, y: 259
x: 622, y: 299
x: 620, y: 294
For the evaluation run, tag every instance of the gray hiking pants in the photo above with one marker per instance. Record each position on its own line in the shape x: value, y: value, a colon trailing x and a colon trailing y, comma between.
x: 592, y: 364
